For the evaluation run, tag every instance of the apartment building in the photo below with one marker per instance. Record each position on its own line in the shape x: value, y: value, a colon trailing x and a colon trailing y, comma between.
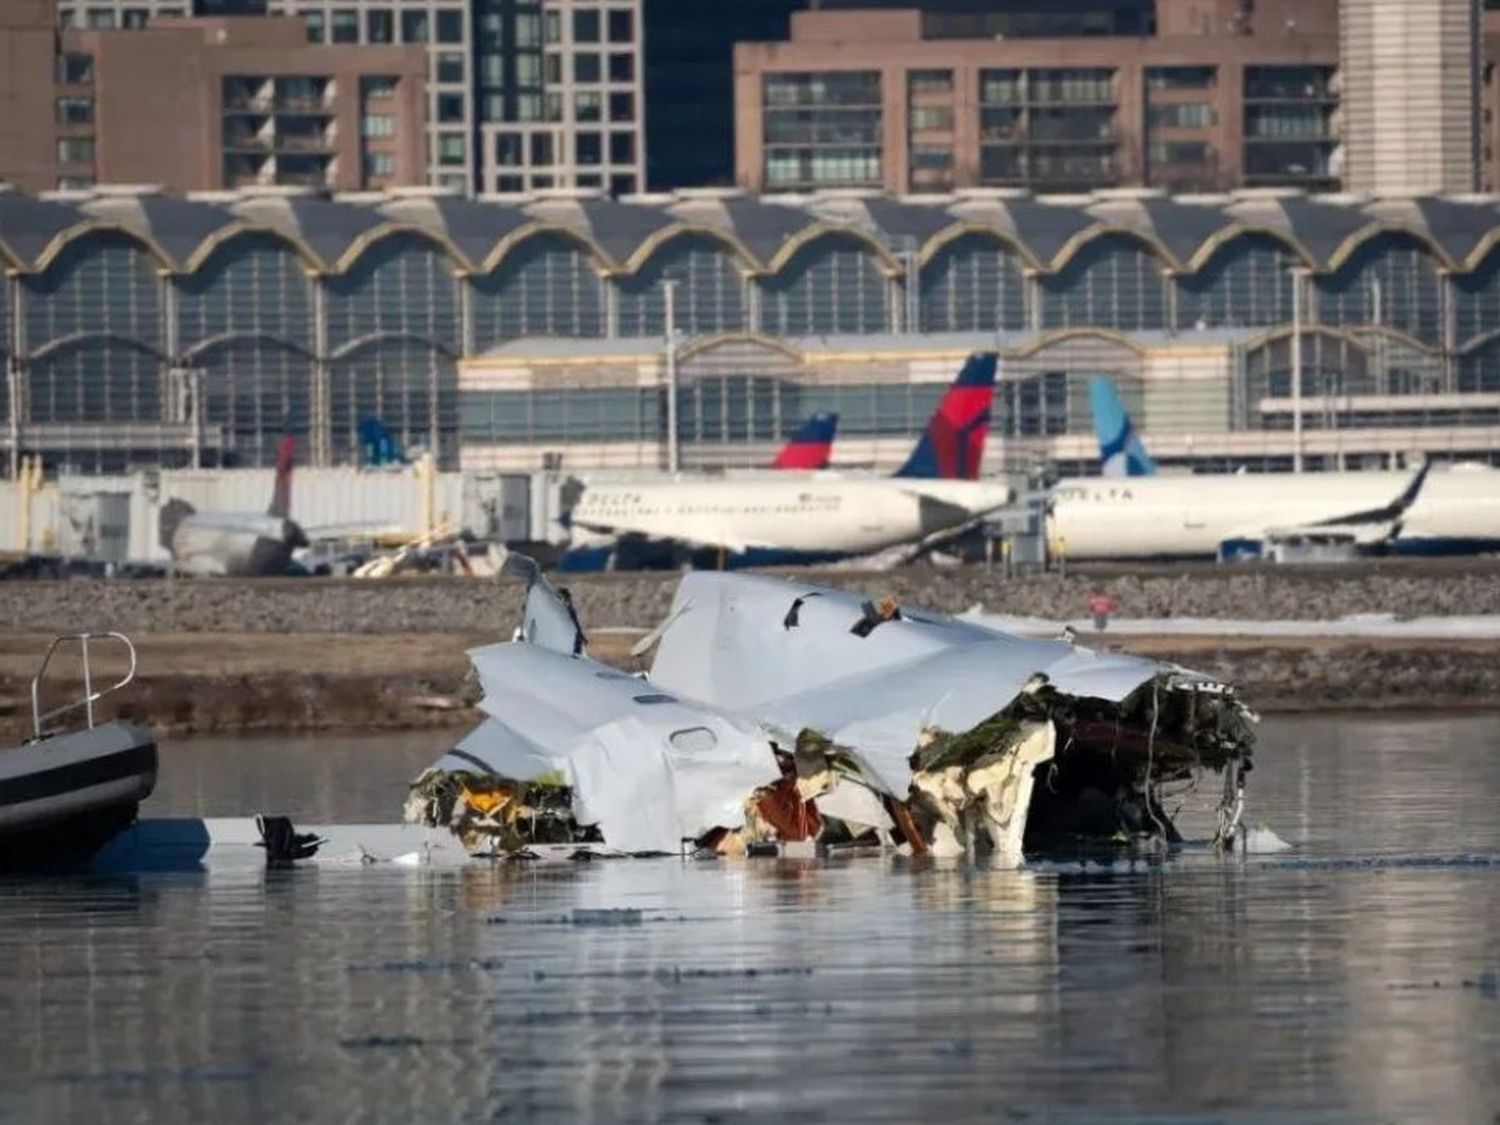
x: 211, y: 103
x: 1224, y: 94
x: 521, y: 94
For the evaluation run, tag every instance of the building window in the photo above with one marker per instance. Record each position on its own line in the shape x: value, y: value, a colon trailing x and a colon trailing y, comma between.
x: 1183, y: 115
x: 552, y: 107
x: 509, y: 184
x: 452, y: 149
x: 587, y: 106
x: 541, y: 149
x: 622, y: 107
x: 622, y: 67
x: 621, y: 26
x: 345, y: 26
x: 622, y: 148
x: 450, y: 108
x: 588, y: 148
x: 528, y: 29
x: 450, y: 67
x: 538, y: 182
x: 380, y: 26
x: 414, y: 27
x: 102, y: 19
x: 1165, y: 154
x: 590, y: 179
x: 552, y: 70
x: 834, y: 88
x: 65, y: 20
x: 622, y: 185
x: 491, y: 69
x: 74, y: 183
x: 378, y: 125
x: 377, y: 86
x: 1181, y: 77
x: 930, y: 82
x: 380, y: 164
x: 509, y: 152
x: 316, y: 32
x: 822, y: 129
x: 528, y: 70
x: 586, y: 68
x: 75, y: 70
x: 134, y: 19
x: 937, y: 117
x: 450, y: 27
x: 492, y: 107
x: 75, y: 111
x: 75, y: 150
x: 553, y: 25
x: 586, y: 25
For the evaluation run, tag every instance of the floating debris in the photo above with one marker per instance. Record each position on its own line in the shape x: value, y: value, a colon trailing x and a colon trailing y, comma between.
x: 778, y: 717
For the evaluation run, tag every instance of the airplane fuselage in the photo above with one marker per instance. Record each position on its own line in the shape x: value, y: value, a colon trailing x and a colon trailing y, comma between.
x: 1190, y: 516
x: 234, y: 544
x: 809, y: 515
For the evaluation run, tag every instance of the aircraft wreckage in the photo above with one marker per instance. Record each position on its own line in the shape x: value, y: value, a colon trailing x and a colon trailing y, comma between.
x: 778, y: 715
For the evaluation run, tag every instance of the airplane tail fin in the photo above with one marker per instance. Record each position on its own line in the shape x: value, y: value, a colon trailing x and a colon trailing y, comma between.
x: 281, y: 496
x: 377, y: 445
x: 953, y: 444
x: 1121, y: 451
x: 811, y: 446
x: 172, y: 513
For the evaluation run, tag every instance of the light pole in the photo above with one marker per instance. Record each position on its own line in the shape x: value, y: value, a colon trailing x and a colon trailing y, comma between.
x: 1298, y: 273
x: 670, y: 289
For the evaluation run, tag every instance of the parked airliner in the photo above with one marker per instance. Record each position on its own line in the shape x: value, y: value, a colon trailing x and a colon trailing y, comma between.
x: 804, y: 517
x: 236, y: 544
x: 249, y: 544
x: 1453, y: 510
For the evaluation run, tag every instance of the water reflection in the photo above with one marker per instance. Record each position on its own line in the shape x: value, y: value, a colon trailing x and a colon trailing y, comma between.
x: 853, y: 987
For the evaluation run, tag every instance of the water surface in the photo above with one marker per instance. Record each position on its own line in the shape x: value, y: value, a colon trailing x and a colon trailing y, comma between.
x: 1351, y: 979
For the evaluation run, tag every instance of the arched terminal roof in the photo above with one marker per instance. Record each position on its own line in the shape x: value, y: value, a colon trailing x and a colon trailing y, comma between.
x: 332, y: 232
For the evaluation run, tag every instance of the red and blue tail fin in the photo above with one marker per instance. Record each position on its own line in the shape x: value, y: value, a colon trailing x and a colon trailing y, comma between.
x: 953, y: 445
x: 811, y: 446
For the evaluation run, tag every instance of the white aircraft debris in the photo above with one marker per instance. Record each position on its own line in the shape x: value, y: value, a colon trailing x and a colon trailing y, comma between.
x: 779, y: 714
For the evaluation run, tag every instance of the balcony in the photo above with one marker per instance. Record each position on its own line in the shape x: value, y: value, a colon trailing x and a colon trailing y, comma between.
x: 310, y: 142
x: 247, y: 103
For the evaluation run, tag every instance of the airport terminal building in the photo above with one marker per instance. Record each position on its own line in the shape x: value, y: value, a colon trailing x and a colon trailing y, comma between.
x: 530, y: 332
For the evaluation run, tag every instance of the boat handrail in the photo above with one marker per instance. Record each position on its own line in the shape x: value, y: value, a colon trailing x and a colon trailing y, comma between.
x: 90, y: 696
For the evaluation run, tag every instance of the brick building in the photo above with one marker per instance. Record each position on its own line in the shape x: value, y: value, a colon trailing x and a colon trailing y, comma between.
x: 1223, y: 94
x: 202, y: 104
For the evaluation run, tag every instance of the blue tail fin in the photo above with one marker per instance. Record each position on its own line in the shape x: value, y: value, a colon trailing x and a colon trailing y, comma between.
x: 953, y: 444
x: 378, y: 446
x: 1121, y: 451
x: 811, y: 446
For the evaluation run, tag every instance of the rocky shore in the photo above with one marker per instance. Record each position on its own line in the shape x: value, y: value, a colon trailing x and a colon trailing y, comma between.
x: 311, y: 655
x: 449, y: 605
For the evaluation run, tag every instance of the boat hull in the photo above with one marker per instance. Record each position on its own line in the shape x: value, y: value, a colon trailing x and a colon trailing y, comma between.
x: 65, y: 797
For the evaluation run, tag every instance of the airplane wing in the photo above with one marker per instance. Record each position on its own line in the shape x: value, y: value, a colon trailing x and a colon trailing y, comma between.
x: 1390, y: 513
x: 1368, y: 528
x: 328, y: 532
x: 691, y: 541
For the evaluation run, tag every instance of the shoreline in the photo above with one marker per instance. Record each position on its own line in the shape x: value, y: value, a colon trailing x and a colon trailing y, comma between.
x: 240, y: 683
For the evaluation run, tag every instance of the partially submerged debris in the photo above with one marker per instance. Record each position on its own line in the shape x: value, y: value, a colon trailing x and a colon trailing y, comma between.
x: 778, y: 715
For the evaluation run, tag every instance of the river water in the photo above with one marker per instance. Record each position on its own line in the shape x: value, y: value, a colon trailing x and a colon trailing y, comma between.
x: 1353, y: 978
